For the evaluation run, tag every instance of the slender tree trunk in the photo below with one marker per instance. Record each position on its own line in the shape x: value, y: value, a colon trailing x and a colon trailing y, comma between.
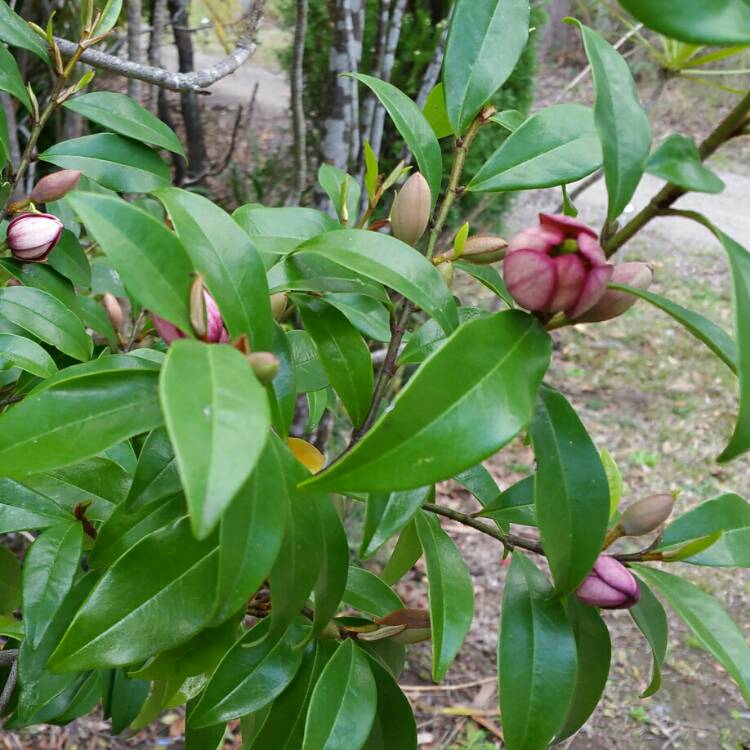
x: 355, y: 29
x: 368, y: 108
x: 432, y: 73
x: 158, y: 18
x: 135, y: 46
x: 298, y: 109
x: 191, y: 114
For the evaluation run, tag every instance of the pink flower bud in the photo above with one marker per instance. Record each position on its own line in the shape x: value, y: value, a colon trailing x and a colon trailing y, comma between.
x: 610, y: 585
x: 411, y: 210
x: 557, y: 266
x: 614, y: 303
x: 114, y: 311
x: 31, y: 236
x: 215, y: 332
x: 54, y: 186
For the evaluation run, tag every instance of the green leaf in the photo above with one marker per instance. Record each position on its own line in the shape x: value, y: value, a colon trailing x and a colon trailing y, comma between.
x: 15, y: 31
x: 710, y: 624
x: 41, y: 276
x: 150, y: 260
x: 5, y: 187
x: 695, y: 21
x: 23, y: 509
x: 387, y: 515
x: 485, y: 41
x: 404, y: 556
x: 371, y: 171
x: 77, y: 417
x: 233, y: 270
x: 10, y: 78
x: 622, y: 123
x: 251, y: 674
x: 343, y: 703
x: 594, y: 653
x: 450, y: 592
x: 317, y: 402
x: 510, y: 119
x: 309, y: 374
x: 284, y: 728
x: 651, y: 619
x: 413, y: 128
x: 480, y: 483
x: 17, y: 351
x: 69, y: 259
x: 343, y: 191
x: 48, y: 571
x: 436, y: 114
x: 252, y: 530
x: 125, y: 116
x: 173, y: 571
x: 282, y: 393
x: 705, y: 330
x: 730, y: 549
x: 218, y: 420
x: 536, y: 659
x: 156, y: 475
x: 614, y: 480
x: 440, y: 424
x: 117, y: 163
x: 571, y: 492
x: 367, y: 315
x: 205, y: 738
x: 10, y: 581
x: 553, y: 147
x: 722, y: 513
x: 370, y: 594
x: 123, y: 699
x: 515, y: 505
x: 678, y: 161
x: 393, y: 263
x: 110, y: 16
x: 394, y: 727
x: 344, y: 356
x: 45, y: 317
x: 489, y: 277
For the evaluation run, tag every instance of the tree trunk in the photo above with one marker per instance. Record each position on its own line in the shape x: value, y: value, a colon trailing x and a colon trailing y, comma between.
x: 298, y: 109
x: 135, y: 46
x: 368, y: 109
x: 191, y: 114
x: 158, y: 19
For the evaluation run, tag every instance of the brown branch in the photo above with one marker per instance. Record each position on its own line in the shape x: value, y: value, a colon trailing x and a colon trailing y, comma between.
x: 8, y: 657
x: 194, y: 81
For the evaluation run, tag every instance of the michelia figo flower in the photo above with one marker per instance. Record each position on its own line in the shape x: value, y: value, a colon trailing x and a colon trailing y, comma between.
x: 646, y: 515
x: 54, y: 186
x: 411, y: 210
x: 215, y: 332
x: 32, y: 236
x: 557, y: 266
x: 613, y: 302
x: 610, y: 585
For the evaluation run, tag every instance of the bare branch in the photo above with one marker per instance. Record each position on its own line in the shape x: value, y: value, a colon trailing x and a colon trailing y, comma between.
x: 197, y: 80
x: 8, y: 657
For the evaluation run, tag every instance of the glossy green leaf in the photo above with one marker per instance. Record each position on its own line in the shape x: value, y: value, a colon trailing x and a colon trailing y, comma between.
x: 695, y: 21
x: 614, y: 480
x: 251, y: 534
x: 623, y: 125
x: 536, y: 659
x: 173, y: 571
x: 117, y: 163
x: 10, y: 581
x: 17, y: 351
x: 594, y: 652
x: 485, y: 40
x: 308, y: 371
x: 450, y: 592
x: 343, y: 191
x: 233, y: 270
x: 553, y: 147
x: 343, y: 703
x: 123, y: 699
x: 436, y: 114
x: 43, y: 277
x: 404, y: 556
x: 98, y: 478
x: 77, y: 417
x: 710, y: 624
x: 285, y: 726
x: 282, y: 393
x: 722, y: 513
x: 510, y: 119
x: 205, y: 738
x: 370, y: 594
x: 251, y: 674
x: 514, y: 505
x: 48, y: 571
x: 156, y: 475
x: 678, y: 161
x: 480, y: 483
x: 344, y: 356
x: 488, y: 277
x: 371, y: 171
x: 47, y: 318
x: 651, y: 619
x: 125, y: 116
x: 22, y: 509
x: 413, y: 128
x: 10, y: 77
x: 110, y: 15
x: 392, y: 263
x: 729, y: 549
x: 461, y: 421
x: 394, y: 727
x: 5, y: 187
x: 218, y: 420
x: 15, y: 31
x: 69, y: 259
x: 386, y: 515
x: 571, y: 492
x: 317, y: 402
x: 149, y: 259
x: 364, y: 313
x: 705, y: 330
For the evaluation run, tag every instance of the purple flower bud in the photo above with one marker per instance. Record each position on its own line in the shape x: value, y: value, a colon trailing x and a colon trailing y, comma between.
x: 614, y: 303
x: 411, y: 210
x: 610, y: 585
x: 556, y: 266
x: 32, y: 236
x: 215, y: 332
x: 54, y: 186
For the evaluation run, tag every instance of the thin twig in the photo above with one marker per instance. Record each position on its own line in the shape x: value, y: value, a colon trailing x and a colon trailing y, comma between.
x: 10, y: 683
x: 447, y: 688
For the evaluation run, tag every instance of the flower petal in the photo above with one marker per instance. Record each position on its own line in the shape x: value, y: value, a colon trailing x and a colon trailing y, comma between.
x: 531, y: 278
x: 571, y: 276
x: 569, y: 226
x: 590, y: 248
x: 593, y: 290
